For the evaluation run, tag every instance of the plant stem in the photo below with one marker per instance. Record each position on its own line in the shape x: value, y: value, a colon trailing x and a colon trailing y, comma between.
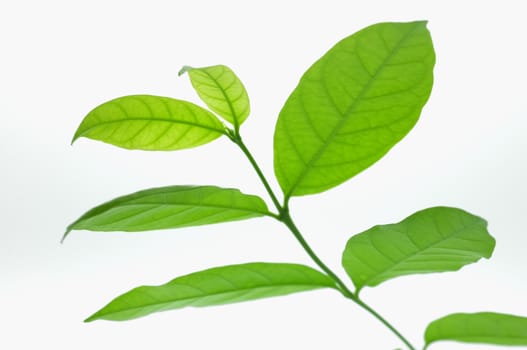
x: 383, y: 321
x: 286, y: 219
x: 236, y: 138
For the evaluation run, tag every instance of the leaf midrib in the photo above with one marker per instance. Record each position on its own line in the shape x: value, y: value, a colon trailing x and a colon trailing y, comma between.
x: 94, y: 317
x: 346, y: 114
x: 190, y: 204
x: 99, y: 124
x: 227, y: 99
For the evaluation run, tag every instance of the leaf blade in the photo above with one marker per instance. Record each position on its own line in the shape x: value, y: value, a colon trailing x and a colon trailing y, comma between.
x: 482, y: 327
x: 222, y: 91
x: 171, y: 207
x: 436, y: 239
x: 215, y: 286
x: 147, y: 122
x: 352, y: 106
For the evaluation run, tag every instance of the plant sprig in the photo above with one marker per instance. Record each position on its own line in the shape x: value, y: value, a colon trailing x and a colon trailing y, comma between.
x: 348, y: 110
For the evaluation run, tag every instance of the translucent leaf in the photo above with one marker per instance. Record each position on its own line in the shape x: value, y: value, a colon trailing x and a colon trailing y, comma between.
x: 352, y: 106
x: 483, y: 327
x: 432, y: 240
x: 222, y: 91
x: 219, y: 285
x: 150, y: 123
x: 171, y: 207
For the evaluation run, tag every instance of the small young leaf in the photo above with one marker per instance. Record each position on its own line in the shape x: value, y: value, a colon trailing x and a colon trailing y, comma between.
x: 483, y: 327
x: 352, y: 106
x: 216, y: 286
x: 222, y: 91
x: 148, y: 122
x: 432, y: 240
x: 171, y: 207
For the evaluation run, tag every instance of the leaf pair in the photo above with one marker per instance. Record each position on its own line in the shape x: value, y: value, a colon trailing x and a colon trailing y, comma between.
x: 348, y: 110
x: 158, y: 123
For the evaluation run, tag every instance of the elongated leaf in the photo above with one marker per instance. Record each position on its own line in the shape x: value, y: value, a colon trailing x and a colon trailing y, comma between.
x: 171, y: 207
x: 432, y: 240
x: 483, y: 327
x: 150, y: 123
x: 352, y: 106
x: 216, y: 286
x: 222, y: 91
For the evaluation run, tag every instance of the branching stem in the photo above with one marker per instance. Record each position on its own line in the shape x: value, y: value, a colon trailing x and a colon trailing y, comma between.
x: 285, y: 217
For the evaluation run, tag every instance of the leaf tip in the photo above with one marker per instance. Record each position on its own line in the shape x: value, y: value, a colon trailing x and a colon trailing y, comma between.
x: 184, y: 70
x: 75, y: 138
x: 90, y: 319
x: 65, y: 235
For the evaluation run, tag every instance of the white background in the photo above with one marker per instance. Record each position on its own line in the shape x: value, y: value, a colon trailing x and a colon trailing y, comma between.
x: 58, y: 60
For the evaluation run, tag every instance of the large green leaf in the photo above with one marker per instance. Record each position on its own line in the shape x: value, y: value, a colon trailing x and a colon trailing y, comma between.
x: 150, y: 123
x: 352, y: 106
x: 220, y: 285
x: 432, y: 240
x: 222, y: 91
x: 171, y: 207
x: 483, y: 327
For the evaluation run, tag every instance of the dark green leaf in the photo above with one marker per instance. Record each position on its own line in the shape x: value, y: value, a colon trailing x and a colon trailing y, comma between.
x: 432, y: 240
x: 216, y: 286
x: 483, y: 327
x: 352, y: 106
x: 171, y: 207
x: 150, y: 123
x: 222, y: 91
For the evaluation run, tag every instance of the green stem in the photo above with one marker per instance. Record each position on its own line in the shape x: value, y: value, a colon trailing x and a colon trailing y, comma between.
x: 384, y: 321
x: 286, y: 219
x: 237, y: 139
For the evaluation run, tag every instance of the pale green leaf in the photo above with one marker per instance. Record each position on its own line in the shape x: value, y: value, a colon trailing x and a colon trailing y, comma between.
x: 222, y: 91
x: 432, y: 240
x: 216, y: 286
x: 148, y: 122
x: 171, y: 207
x: 352, y: 106
x: 482, y: 327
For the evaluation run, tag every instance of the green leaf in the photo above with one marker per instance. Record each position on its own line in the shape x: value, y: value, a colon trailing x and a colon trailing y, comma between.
x: 483, y: 327
x: 150, y: 123
x: 432, y: 240
x: 171, y: 207
x: 222, y: 91
x: 216, y: 286
x: 352, y: 106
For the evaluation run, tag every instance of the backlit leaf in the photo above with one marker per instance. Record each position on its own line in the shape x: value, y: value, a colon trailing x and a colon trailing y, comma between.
x: 483, y: 327
x: 171, y: 207
x: 432, y: 240
x: 148, y: 122
x: 352, y: 106
x: 216, y: 286
x: 222, y: 91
